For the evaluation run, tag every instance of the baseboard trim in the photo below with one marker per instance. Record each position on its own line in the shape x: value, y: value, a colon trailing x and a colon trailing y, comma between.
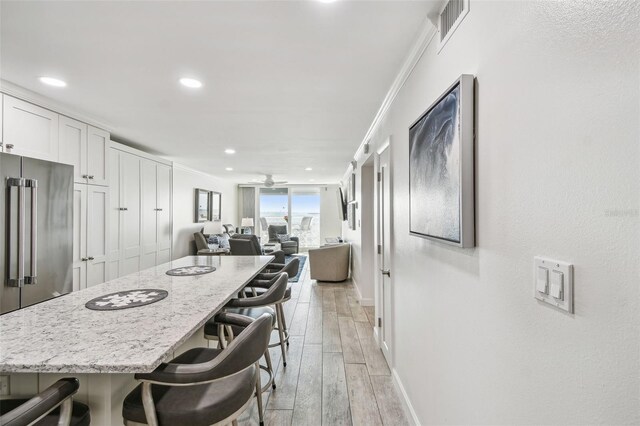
x: 361, y: 300
x: 404, y: 398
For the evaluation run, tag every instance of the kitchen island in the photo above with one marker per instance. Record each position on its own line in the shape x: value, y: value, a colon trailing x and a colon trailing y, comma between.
x: 62, y: 338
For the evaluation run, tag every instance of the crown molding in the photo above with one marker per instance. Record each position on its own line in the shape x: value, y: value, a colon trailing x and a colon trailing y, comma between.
x: 27, y: 95
x: 424, y: 38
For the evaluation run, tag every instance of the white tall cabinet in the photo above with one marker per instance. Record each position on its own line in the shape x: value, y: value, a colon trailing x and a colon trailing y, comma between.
x: 29, y: 130
x: 140, y: 211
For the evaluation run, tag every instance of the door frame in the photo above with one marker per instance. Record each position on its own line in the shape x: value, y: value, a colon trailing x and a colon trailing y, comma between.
x: 378, y: 258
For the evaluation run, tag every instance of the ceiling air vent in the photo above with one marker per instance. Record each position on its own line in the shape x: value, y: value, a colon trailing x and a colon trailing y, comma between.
x: 450, y: 17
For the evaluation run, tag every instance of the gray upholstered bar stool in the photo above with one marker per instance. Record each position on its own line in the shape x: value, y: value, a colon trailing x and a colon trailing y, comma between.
x: 203, y: 386
x: 263, y: 281
x: 53, y: 406
x: 273, y: 296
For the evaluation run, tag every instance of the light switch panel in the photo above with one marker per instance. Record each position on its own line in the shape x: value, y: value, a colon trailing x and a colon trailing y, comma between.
x: 553, y: 283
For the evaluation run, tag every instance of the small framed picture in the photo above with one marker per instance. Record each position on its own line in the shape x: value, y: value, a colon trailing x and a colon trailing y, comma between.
x: 203, y: 205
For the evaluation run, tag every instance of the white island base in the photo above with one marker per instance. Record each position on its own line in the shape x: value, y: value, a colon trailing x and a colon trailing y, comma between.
x: 103, y: 392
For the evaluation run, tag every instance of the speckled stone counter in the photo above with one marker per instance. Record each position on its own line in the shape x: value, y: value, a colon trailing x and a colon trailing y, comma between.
x: 62, y: 336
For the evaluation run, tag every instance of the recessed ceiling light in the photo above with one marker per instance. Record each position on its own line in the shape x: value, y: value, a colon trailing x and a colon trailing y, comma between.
x: 229, y: 151
x: 52, y: 81
x: 190, y: 82
x: 308, y: 169
x: 312, y: 180
x: 229, y: 169
x: 327, y: 1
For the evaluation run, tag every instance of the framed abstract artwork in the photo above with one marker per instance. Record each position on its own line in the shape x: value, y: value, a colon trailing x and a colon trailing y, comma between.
x: 441, y: 168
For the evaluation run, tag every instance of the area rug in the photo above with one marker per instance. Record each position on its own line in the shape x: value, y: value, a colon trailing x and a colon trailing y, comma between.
x: 288, y: 258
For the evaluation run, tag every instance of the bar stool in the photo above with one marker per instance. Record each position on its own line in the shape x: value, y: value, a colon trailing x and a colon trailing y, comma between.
x: 203, y: 386
x: 53, y: 406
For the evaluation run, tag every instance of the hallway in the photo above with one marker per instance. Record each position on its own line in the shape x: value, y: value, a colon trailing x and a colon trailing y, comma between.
x: 335, y: 374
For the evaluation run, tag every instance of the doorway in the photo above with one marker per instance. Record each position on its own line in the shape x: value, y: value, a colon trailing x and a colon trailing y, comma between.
x: 384, y: 312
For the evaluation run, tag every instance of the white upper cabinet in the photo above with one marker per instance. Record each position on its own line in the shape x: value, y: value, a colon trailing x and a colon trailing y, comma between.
x: 98, y: 156
x: 72, y: 148
x: 29, y: 130
x: 86, y: 148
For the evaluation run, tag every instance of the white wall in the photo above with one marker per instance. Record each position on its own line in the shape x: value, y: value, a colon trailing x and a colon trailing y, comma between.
x: 330, y: 222
x: 557, y: 174
x: 185, y: 180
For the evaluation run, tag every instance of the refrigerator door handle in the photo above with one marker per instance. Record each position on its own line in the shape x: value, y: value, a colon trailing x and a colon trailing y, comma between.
x: 18, y: 281
x: 32, y: 279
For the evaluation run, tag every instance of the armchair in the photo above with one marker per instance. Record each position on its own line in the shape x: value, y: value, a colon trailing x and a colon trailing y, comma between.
x: 248, y: 245
x: 288, y: 247
x: 330, y: 263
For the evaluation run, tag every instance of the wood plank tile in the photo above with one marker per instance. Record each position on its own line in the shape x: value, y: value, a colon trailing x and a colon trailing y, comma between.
x: 284, y: 396
x: 307, y: 409
x: 328, y: 300
x: 298, y: 325
x: 389, y: 404
x: 278, y: 417
x: 351, y: 351
x: 314, y: 326
x: 357, y: 312
x: 373, y: 357
x: 370, y: 311
x: 330, y: 333
x: 335, y: 398
x: 315, y: 298
x: 361, y: 397
x: 342, y: 304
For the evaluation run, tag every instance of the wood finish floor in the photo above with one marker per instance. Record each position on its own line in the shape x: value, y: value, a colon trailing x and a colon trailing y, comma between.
x: 335, y: 374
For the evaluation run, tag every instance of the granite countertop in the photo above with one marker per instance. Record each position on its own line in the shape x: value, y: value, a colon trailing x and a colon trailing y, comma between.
x: 62, y: 336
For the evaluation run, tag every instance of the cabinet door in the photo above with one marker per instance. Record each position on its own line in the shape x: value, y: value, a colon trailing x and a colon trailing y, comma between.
x: 130, y: 219
x: 72, y: 146
x: 149, y: 234
x: 98, y: 156
x: 97, y: 234
x: 33, y: 131
x: 79, y: 236
x: 1, y: 127
x: 164, y: 213
x: 115, y: 215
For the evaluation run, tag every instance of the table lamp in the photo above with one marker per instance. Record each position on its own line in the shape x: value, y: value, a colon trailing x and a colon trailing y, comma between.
x: 213, y: 228
x: 247, y: 222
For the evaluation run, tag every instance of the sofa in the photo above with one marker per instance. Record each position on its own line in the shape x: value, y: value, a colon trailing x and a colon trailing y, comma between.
x: 330, y: 263
x: 288, y: 247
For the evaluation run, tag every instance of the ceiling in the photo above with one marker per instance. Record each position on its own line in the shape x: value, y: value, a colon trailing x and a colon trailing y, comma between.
x: 287, y: 84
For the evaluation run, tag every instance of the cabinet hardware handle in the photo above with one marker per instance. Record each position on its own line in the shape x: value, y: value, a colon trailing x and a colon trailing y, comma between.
x: 386, y: 272
x: 85, y: 176
x: 124, y: 209
x: 9, y: 146
x: 90, y: 258
x: 90, y: 176
x: 158, y: 210
x: 84, y: 259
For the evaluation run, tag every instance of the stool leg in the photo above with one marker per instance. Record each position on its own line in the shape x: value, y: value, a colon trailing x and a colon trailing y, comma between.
x: 267, y: 356
x: 259, y: 395
x: 284, y: 323
x: 280, y: 316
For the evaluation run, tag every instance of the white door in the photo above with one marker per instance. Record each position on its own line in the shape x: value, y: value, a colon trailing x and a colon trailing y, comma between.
x: 97, y: 234
x: 29, y: 130
x: 115, y: 215
x: 384, y: 215
x: 163, y: 213
x: 72, y: 146
x: 79, y: 236
x: 149, y: 212
x: 1, y: 106
x: 98, y: 142
x: 130, y: 214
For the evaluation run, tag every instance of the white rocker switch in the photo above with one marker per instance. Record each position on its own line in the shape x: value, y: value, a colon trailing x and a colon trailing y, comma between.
x: 542, y: 280
x: 556, y: 289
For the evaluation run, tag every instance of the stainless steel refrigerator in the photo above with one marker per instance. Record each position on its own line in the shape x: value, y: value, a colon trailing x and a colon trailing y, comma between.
x: 36, y: 226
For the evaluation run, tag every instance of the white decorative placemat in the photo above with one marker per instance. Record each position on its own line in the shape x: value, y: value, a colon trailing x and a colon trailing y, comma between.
x: 126, y: 299
x: 186, y: 271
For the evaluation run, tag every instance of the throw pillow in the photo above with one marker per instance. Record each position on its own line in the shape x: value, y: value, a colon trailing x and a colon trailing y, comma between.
x: 283, y: 238
x: 223, y: 241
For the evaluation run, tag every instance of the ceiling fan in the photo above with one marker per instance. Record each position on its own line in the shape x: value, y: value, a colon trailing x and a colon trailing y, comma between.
x: 269, y: 182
